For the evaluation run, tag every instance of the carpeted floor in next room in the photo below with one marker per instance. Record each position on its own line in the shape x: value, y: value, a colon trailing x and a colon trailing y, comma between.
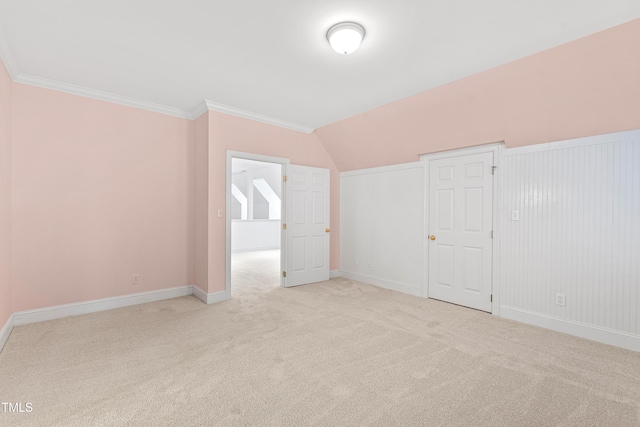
x: 335, y: 353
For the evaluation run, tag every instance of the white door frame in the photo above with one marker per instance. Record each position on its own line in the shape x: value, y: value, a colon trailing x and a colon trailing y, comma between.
x: 283, y: 241
x: 496, y: 149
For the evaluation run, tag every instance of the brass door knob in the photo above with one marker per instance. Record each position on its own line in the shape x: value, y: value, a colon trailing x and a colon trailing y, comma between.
x: 432, y: 237
x: 327, y: 230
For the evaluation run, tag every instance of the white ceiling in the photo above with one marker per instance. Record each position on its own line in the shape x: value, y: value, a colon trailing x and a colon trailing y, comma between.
x: 271, y: 58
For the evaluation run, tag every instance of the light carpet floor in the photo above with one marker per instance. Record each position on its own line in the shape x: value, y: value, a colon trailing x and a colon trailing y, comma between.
x: 336, y: 353
x: 254, y: 272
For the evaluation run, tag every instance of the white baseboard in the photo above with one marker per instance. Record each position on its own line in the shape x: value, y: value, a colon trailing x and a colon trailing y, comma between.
x: 200, y: 294
x: 210, y: 298
x: 335, y: 273
x: 6, y: 331
x: 382, y: 283
x: 86, y: 307
x: 595, y: 333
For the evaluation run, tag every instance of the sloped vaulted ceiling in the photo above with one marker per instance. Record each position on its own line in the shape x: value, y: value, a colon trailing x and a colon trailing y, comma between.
x: 270, y: 60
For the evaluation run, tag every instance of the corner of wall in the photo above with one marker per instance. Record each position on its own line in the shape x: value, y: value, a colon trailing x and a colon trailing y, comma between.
x: 6, y: 292
x: 201, y: 201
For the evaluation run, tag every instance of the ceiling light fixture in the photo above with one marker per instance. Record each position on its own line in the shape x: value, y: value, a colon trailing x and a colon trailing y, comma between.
x: 345, y: 37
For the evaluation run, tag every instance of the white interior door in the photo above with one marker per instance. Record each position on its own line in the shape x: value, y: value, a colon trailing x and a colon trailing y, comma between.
x: 460, y: 227
x: 307, y: 225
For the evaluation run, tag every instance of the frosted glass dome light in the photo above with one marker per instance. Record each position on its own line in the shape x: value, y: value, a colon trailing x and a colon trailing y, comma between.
x: 345, y: 37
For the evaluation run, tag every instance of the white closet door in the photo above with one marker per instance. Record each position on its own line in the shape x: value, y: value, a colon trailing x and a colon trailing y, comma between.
x: 460, y: 227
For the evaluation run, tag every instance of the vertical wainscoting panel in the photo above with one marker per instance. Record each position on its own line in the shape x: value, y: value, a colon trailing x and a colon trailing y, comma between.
x: 382, y: 222
x: 356, y: 222
x: 578, y: 234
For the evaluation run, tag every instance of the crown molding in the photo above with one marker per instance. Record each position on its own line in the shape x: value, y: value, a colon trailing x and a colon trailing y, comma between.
x: 100, y: 95
x: 18, y: 77
x: 7, y: 58
x: 207, y: 105
x: 201, y: 108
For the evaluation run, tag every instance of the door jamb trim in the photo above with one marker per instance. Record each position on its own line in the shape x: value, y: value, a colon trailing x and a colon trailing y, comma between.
x: 284, y: 163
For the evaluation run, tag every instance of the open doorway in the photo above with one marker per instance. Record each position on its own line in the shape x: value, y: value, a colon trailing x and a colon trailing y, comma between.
x: 254, y: 212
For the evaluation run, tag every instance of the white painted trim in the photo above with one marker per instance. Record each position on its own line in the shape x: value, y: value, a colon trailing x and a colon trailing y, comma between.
x: 93, y: 306
x: 476, y: 149
x: 497, y: 232
x: 18, y: 77
x: 210, y: 298
x: 5, y: 332
x: 199, y: 110
x: 283, y: 241
x: 218, y: 297
x: 382, y: 283
x: 594, y: 333
x: 335, y: 273
x: 425, y: 228
x: 100, y: 95
x: 200, y: 294
x: 382, y: 169
x: 497, y: 150
x: 207, y: 105
x: 577, y: 142
x: 7, y: 59
x: 258, y: 157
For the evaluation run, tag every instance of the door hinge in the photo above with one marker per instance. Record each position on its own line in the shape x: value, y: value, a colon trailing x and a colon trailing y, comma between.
x: 284, y: 226
x: 493, y: 170
x: 491, y: 298
x: 284, y: 274
x: 285, y: 178
x: 492, y: 234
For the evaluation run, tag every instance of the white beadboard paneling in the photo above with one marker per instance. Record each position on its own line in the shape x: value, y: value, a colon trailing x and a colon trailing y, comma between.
x: 578, y: 232
x: 398, y: 219
x: 382, y: 221
x: 393, y: 286
x: 356, y: 223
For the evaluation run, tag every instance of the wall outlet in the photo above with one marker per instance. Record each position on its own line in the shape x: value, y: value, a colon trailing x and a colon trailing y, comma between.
x: 369, y: 264
x: 219, y: 213
x: 135, y: 279
x: 355, y: 261
x: 515, y: 215
x: 560, y: 300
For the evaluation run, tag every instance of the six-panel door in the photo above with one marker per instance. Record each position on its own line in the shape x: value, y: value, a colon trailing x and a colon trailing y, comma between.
x: 460, y: 227
x: 307, y: 207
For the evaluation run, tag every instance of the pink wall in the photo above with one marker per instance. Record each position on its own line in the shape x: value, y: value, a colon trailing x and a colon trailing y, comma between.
x: 232, y: 133
x: 5, y: 195
x: 100, y: 191
x: 201, y: 186
x: 587, y: 87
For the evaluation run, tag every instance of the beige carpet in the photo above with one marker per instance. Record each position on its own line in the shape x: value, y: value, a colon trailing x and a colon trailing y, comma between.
x: 336, y: 353
x: 254, y: 272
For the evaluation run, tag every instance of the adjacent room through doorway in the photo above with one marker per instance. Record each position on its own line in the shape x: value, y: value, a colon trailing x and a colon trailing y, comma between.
x: 256, y: 212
